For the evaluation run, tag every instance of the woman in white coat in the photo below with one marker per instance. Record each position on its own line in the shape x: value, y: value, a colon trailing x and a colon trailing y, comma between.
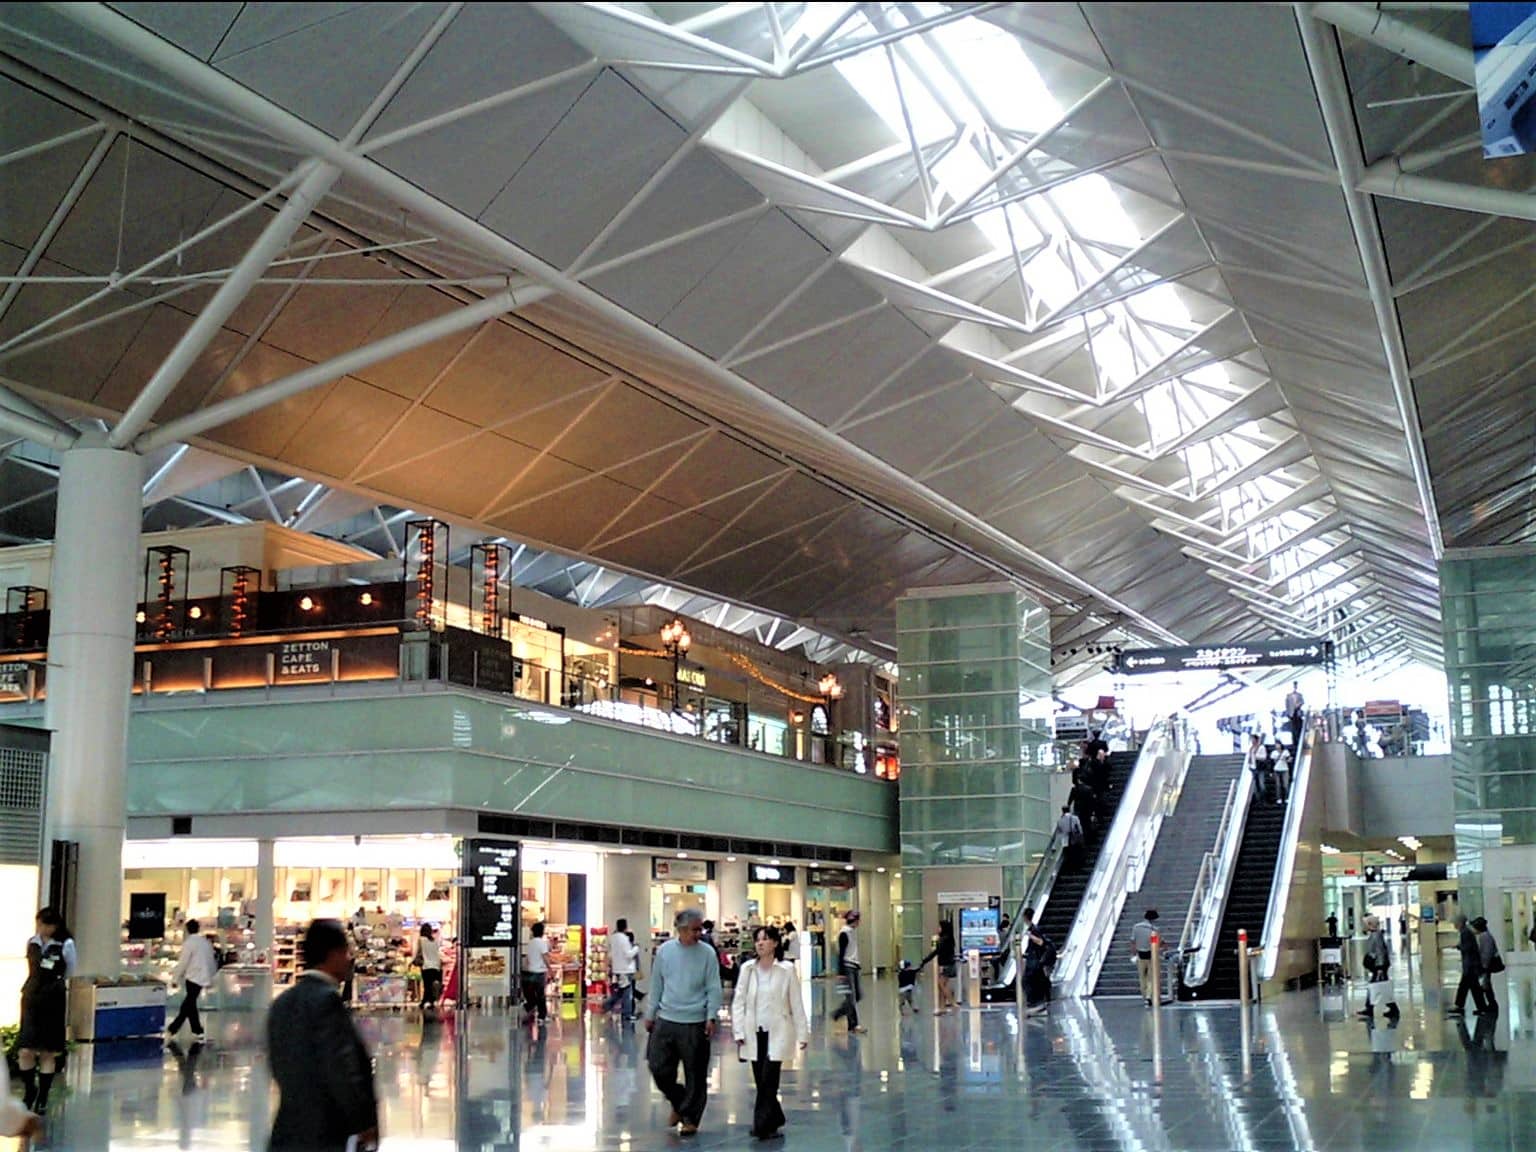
x: 768, y: 1014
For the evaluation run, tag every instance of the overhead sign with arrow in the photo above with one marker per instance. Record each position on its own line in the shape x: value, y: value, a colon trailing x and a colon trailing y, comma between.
x: 1222, y: 657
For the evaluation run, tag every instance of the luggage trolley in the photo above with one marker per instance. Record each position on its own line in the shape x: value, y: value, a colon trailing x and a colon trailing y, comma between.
x: 1330, y: 961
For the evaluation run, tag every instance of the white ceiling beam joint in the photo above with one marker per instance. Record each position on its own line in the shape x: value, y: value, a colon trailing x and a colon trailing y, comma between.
x: 1370, y: 22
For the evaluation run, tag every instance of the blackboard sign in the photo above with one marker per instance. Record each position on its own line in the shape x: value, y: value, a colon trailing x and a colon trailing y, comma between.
x: 492, y: 913
x: 146, y: 916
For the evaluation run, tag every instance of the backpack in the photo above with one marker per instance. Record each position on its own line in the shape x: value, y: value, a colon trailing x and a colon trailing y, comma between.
x: 1048, y: 954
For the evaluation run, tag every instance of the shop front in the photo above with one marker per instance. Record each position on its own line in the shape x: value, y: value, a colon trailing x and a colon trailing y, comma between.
x: 562, y: 887
x: 829, y: 893
x: 677, y: 884
x: 770, y: 894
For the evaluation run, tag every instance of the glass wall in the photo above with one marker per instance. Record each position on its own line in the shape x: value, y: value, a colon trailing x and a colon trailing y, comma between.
x: 975, y: 738
x: 1488, y: 604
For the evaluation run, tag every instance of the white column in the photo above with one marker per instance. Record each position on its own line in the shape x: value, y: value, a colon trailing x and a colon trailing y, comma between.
x: 797, y: 916
x: 627, y: 895
x: 92, y: 595
x: 731, y: 875
x: 265, y: 927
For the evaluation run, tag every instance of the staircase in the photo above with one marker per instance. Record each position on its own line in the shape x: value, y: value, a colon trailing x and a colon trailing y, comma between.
x: 1169, y: 878
x: 1067, y: 892
x: 1248, y: 899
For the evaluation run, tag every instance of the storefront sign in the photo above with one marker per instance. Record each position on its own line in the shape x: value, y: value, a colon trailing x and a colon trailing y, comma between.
x: 1404, y: 873
x: 770, y: 874
x: 13, y: 680
x: 831, y: 878
x: 962, y: 898
x: 530, y: 621
x: 692, y: 677
x: 146, y: 915
x: 1379, y: 708
x: 303, y: 660
x: 685, y: 871
x: 492, y: 915
x: 1071, y: 727
x: 1217, y: 657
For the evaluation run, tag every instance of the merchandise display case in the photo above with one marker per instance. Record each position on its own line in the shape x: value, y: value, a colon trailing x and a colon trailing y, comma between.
x: 599, y: 975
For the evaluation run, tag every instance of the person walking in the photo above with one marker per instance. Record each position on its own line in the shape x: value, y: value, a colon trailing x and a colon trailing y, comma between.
x: 1039, y: 956
x: 429, y: 958
x: 791, y: 941
x: 623, y: 963
x: 1491, y: 963
x: 944, y: 953
x: 769, y: 1023
x: 1378, y: 968
x: 1471, y: 970
x: 536, y: 974
x: 41, y: 1039
x: 680, y: 1016
x: 1296, y: 715
x: 1141, y: 945
x: 197, y: 968
x: 324, y: 1075
x: 848, y: 970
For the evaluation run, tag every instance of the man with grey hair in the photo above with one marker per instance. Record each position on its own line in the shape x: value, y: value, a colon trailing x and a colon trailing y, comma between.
x: 680, y: 1016
x: 1471, y: 970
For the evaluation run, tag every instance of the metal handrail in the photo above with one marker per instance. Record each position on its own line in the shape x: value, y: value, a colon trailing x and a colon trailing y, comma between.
x: 1036, y: 896
x: 1217, y: 869
x: 1280, y: 889
x: 1154, y: 785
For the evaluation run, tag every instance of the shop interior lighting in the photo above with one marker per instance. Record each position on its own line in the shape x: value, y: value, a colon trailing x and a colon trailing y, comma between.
x: 880, y: 870
x: 138, y: 617
x: 1412, y: 843
x: 1328, y: 850
x: 829, y: 687
x: 682, y: 855
x: 773, y: 861
x: 307, y: 604
x: 195, y: 612
x: 627, y: 851
x: 365, y: 599
x: 730, y: 859
x: 847, y: 867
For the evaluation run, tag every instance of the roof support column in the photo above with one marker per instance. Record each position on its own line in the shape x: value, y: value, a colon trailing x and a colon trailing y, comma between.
x: 90, y: 682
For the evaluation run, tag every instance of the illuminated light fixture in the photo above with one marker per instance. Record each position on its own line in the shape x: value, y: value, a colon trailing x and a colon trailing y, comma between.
x: 1328, y: 850
x: 847, y: 867
x: 675, y: 635
x: 880, y: 870
x: 773, y: 861
x: 730, y: 859
x: 627, y: 851
x: 307, y: 604
x: 365, y: 599
x: 195, y: 612
x: 829, y: 687
x: 682, y: 855
x: 138, y: 617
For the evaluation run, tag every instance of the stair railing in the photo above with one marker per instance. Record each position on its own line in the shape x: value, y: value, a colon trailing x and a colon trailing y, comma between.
x: 1208, y: 904
x: 1036, y: 896
x: 1149, y: 796
x: 1285, y: 863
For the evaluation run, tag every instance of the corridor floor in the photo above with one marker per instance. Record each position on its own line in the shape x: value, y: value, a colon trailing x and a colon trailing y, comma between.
x: 1089, y: 1075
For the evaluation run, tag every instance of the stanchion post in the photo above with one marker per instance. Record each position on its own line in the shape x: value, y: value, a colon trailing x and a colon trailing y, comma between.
x: 1243, y: 991
x: 1018, y: 973
x: 1157, y: 971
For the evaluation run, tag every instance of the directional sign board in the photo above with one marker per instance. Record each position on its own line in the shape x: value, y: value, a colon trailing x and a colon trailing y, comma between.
x: 1221, y: 657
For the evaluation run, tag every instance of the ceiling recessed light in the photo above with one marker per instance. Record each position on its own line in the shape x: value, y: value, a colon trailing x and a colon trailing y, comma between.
x: 881, y: 870
x: 682, y: 855
x: 730, y: 859
x: 627, y: 851
x: 773, y: 861
x: 847, y: 867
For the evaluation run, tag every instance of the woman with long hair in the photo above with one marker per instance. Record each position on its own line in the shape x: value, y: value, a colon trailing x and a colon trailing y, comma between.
x: 44, y: 1003
x: 944, y: 953
x: 768, y: 1020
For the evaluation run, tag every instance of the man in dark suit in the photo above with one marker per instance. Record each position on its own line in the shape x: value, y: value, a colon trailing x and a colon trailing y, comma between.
x: 322, y: 1070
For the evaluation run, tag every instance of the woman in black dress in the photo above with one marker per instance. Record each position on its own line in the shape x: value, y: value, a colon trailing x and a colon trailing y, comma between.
x: 50, y: 964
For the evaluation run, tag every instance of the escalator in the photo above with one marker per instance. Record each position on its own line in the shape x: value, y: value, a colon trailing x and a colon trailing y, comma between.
x: 1063, y: 893
x: 1248, y: 898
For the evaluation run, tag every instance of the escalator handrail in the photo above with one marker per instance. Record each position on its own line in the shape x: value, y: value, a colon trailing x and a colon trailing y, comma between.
x: 1285, y: 863
x: 1213, y: 905
x: 1035, y: 896
x: 1137, y: 821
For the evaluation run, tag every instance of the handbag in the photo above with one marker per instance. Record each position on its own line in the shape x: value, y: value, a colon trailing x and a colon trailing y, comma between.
x: 1378, y: 992
x: 1496, y: 965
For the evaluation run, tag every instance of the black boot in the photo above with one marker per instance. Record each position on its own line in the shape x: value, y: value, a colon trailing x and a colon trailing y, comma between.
x: 44, y: 1086
x: 29, y: 1088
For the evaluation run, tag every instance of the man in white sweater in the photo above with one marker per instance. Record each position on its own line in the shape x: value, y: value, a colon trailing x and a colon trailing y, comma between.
x: 196, y: 970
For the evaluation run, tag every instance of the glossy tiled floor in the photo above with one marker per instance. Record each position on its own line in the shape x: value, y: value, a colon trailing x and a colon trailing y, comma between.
x: 1089, y: 1075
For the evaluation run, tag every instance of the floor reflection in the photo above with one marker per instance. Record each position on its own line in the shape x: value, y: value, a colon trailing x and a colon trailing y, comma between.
x: 1301, y: 1073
